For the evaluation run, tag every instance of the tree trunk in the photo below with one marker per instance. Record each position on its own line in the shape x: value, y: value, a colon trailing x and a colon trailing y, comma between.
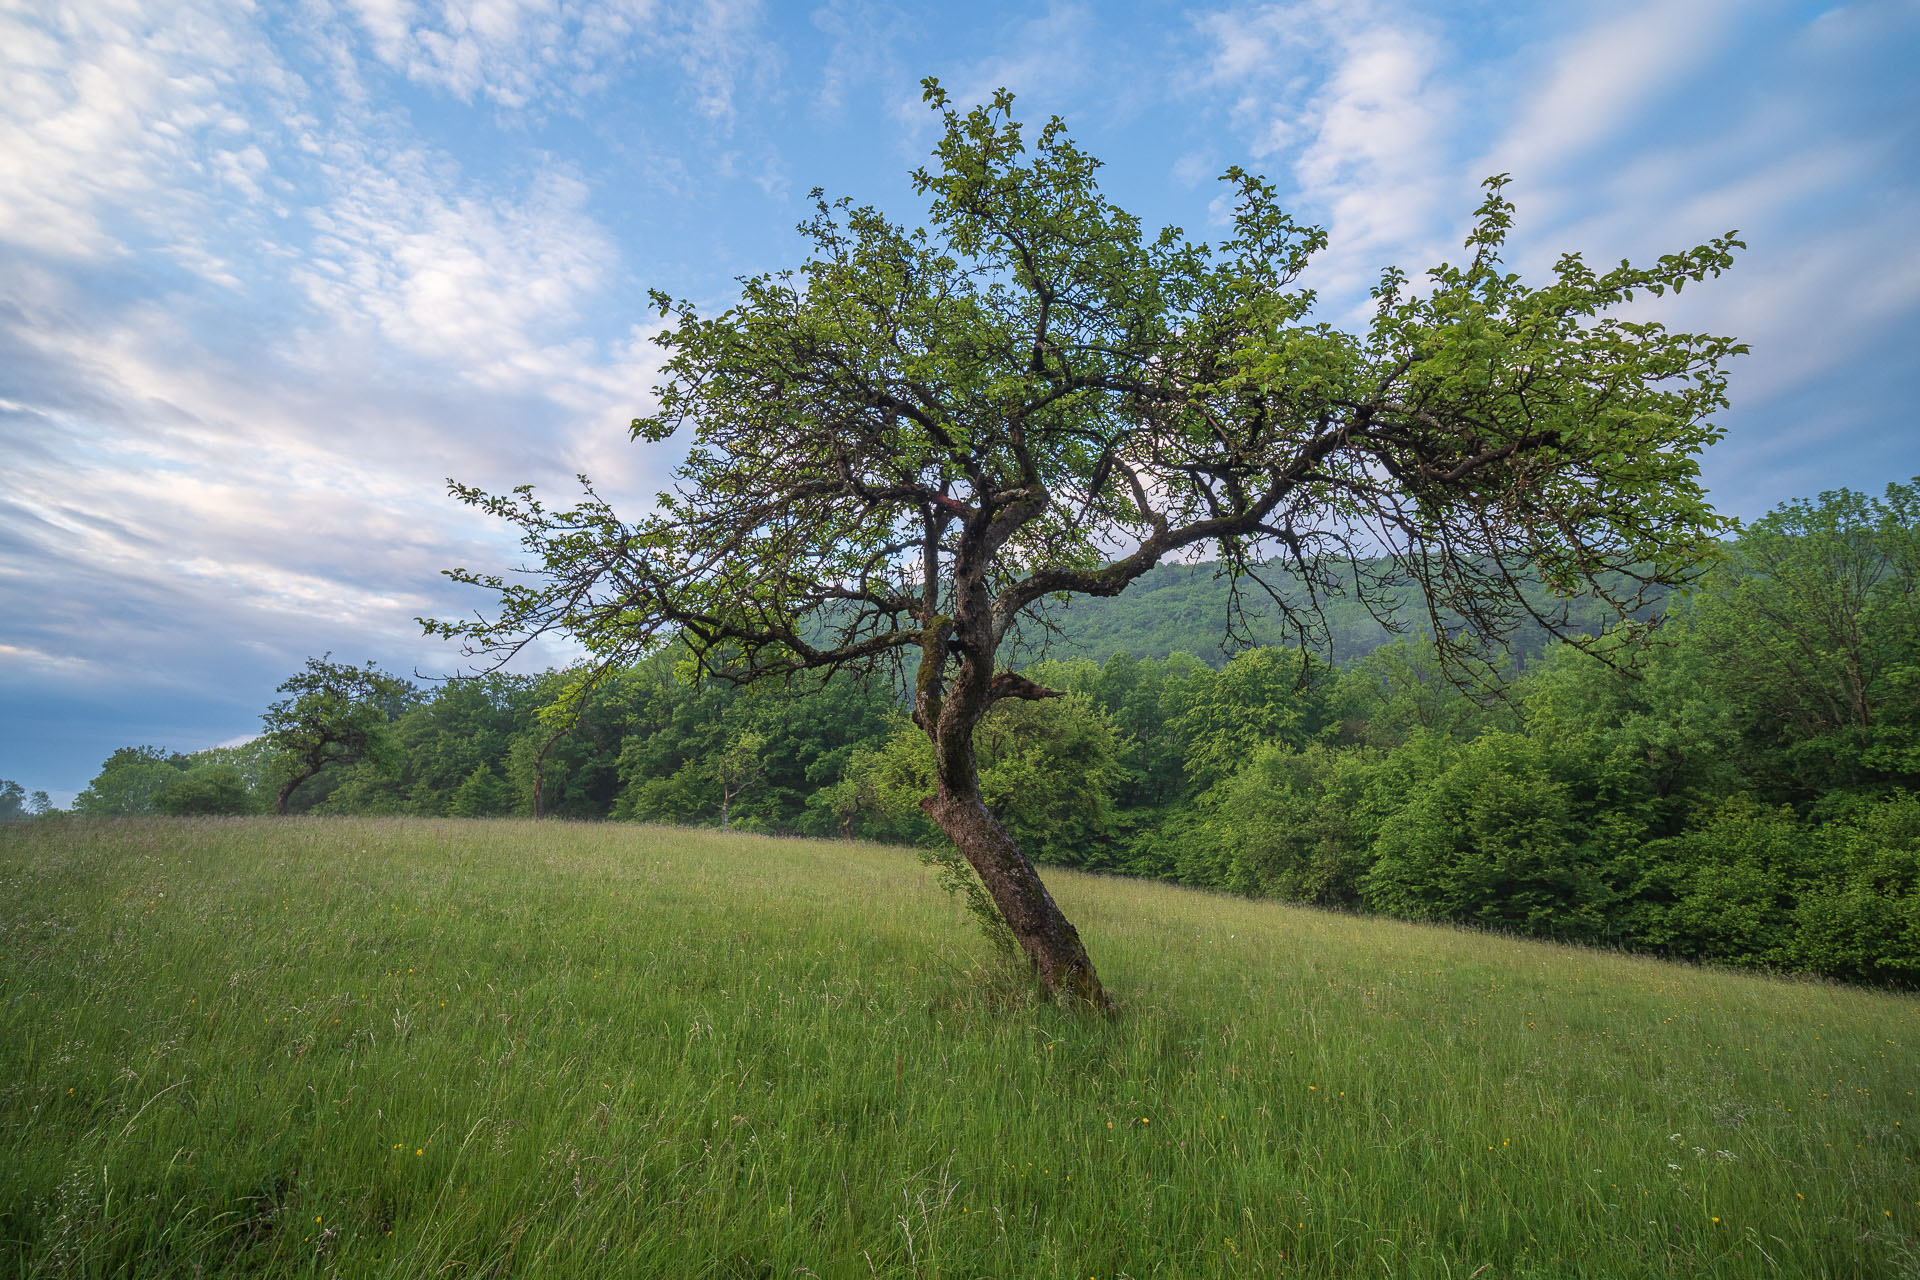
x: 287, y: 789
x: 949, y: 713
x: 1051, y: 943
x: 540, y: 773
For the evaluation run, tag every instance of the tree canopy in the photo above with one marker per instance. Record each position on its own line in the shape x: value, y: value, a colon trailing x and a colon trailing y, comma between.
x: 909, y: 443
x: 335, y: 713
x: 129, y: 783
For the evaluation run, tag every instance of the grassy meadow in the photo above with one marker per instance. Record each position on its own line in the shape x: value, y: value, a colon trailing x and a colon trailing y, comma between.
x: 441, y: 1048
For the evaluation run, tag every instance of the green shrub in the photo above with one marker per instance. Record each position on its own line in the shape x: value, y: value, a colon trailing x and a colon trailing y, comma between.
x: 1301, y: 825
x: 1495, y: 840
x: 1867, y: 928
x: 209, y: 789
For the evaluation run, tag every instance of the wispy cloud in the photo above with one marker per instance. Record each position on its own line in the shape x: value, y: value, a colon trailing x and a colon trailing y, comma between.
x: 516, y: 53
x: 125, y: 129
x: 464, y: 279
x: 1045, y: 60
x: 1608, y: 76
x: 1350, y: 99
x: 508, y: 51
x: 1659, y: 128
x: 863, y: 52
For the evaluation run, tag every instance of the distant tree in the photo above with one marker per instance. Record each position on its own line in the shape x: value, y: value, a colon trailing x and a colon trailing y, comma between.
x: 1402, y: 688
x: 129, y: 783
x: 436, y: 745
x: 569, y: 760
x: 465, y: 725
x: 1494, y: 840
x: 1148, y: 701
x: 918, y: 438
x: 336, y: 714
x: 255, y: 759
x: 206, y: 790
x: 666, y: 769
x: 1301, y: 824
x: 1266, y: 695
x: 39, y: 803
x: 736, y: 767
x: 1811, y: 630
x: 1658, y: 708
x: 13, y: 801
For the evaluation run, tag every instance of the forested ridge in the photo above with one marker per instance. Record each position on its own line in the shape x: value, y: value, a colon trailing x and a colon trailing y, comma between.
x: 1176, y: 608
x: 1744, y: 790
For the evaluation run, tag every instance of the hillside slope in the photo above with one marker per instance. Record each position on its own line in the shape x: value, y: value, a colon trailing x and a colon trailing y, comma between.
x: 402, y: 1048
x: 1185, y: 607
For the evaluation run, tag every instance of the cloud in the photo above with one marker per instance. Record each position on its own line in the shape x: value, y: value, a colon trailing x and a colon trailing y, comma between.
x: 123, y: 129
x: 509, y: 51
x: 1608, y: 76
x: 1820, y: 184
x: 517, y: 53
x: 491, y: 291
x: 185, y: 507
x: 36, y: 661
x: 716, y: 45
x: 464, y: 279
x: 865, y: 36
x: 251, y: 454
x: 1351, y: 100
x: 1369, y: 112
x: 1048, y: 63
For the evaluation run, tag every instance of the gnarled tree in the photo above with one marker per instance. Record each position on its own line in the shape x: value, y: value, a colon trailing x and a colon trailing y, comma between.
x: 337, y: 714
x: 913, y: 441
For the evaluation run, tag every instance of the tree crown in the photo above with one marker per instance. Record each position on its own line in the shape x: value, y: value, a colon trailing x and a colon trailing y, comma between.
x: 916, y: 438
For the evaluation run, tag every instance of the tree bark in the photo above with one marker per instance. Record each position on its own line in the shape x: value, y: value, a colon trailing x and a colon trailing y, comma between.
x: 287, y: 789
x: 1051, y: 943
x: 949, y: 712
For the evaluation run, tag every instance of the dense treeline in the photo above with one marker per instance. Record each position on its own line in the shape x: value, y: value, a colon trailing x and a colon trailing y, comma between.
x: 1747, y: 790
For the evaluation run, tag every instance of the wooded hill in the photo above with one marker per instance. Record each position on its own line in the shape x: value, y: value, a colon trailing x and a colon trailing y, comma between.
x: 1178, y: 608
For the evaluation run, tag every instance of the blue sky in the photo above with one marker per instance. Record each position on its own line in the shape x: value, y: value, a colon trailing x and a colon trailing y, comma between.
x: 269, y: 275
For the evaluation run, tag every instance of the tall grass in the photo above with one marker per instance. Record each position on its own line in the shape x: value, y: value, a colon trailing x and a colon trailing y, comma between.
x: 408, y: 1048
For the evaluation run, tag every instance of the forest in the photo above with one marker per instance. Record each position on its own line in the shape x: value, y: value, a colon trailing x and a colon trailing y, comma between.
x: 1744, y: 790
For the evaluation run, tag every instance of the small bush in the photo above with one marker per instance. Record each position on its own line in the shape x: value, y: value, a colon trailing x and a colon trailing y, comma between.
x: 209, y: 790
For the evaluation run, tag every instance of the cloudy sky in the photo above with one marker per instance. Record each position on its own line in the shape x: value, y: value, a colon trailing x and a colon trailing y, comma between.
x: 270, y: 274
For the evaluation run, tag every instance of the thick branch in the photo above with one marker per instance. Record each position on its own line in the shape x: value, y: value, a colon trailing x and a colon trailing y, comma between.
x: 1009, y: 684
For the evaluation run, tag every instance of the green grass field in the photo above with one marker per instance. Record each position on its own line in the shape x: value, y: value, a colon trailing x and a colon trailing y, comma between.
x: 428, y: 1049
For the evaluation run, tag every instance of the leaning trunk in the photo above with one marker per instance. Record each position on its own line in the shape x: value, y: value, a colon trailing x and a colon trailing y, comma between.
x: 1051, y: 943
x: 949, y: 716
x: 287, y: 789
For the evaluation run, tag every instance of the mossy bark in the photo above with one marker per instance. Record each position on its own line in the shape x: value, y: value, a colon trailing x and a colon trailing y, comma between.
x: 1051, y: 944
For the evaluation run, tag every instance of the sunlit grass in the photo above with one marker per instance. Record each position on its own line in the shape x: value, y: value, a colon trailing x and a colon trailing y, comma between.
x: 442, y: 1048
